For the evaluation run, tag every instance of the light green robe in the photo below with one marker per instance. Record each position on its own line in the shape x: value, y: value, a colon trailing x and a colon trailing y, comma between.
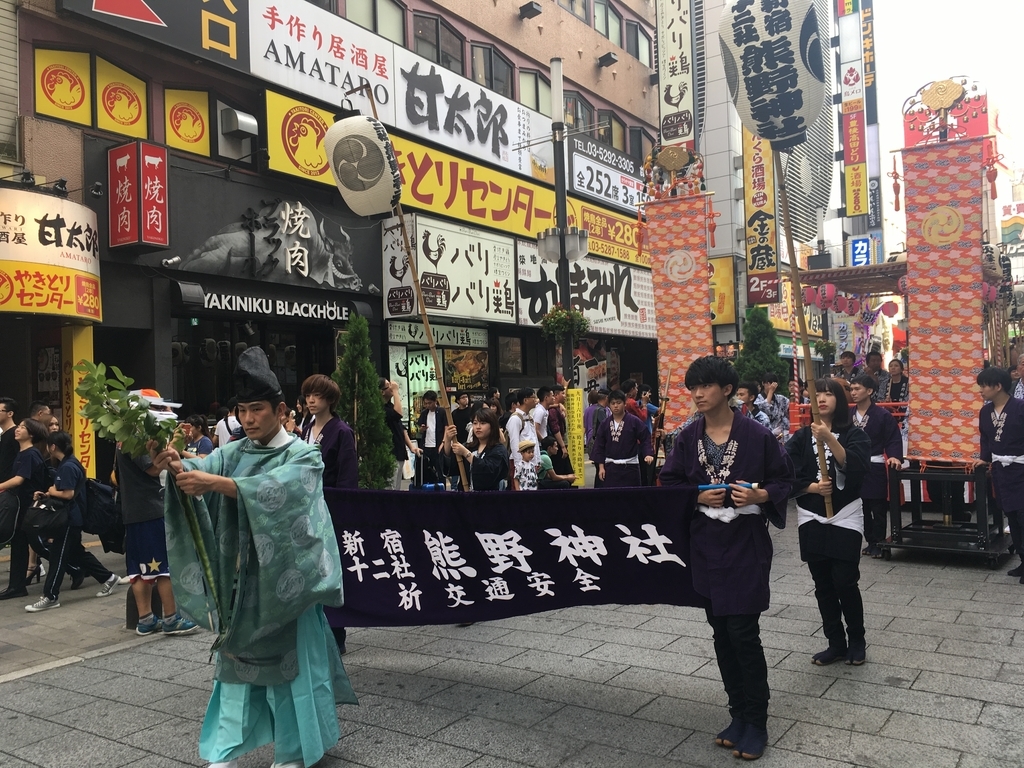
x: 275, y: 561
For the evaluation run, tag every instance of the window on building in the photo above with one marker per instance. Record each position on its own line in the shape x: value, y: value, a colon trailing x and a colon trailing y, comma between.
x: 607, y: 21
x: 385, y: 17
x: 327, y: 5
x: 577, y: 7
x: 436, y: 41
x: 492, y: 70
x: 641, y: 143
x: 579, y: 115
x: 535, y: 92
x: 611, y: 130
x: 638, y: 43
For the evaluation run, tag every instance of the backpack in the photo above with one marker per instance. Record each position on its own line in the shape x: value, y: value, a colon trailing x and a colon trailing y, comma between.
x: 102, y: 508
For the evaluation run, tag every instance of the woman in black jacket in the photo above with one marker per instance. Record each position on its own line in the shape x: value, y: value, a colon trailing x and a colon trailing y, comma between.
x: 484, y: 457
x: 30, y: 476
x: 831, y: 545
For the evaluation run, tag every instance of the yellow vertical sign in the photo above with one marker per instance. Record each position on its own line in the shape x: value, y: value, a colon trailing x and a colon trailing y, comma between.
x: 122, y: 104
x: 187, y: 120
x: 64, y: 85
x: 723, y: 291
x: 574, y: 432
x: 77, y: 346
x: 759, y: 221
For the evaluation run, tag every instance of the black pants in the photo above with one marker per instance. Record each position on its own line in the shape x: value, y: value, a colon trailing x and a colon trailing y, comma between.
x: 19, y: 557
x: 1015, y: 519
x: 66, y: 550
x: 742, y: 664
x: 835, y: 588
x: 431, y: 473
x: 874, y: 520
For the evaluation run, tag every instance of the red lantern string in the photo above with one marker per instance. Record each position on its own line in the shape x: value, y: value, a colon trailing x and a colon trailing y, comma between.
x: 711, y: 215
x: 895, y: 176
x: 989, y: 164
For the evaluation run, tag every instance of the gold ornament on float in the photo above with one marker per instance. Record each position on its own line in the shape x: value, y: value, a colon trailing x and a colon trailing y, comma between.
x: 943, y: 226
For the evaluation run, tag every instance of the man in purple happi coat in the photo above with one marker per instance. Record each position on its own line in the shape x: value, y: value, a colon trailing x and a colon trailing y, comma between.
x: 886, y: 451
x: 1001, y: 424
x: 730, y: 548
x: 622, y: 442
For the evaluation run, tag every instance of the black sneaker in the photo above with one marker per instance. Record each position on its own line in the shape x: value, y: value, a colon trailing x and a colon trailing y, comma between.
x: 1018, y: 571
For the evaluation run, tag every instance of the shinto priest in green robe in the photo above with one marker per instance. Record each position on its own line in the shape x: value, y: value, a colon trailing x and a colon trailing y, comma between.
x: 275, y: 563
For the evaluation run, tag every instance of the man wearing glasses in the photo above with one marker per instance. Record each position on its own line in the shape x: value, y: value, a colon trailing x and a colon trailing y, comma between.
x: 8, y: 445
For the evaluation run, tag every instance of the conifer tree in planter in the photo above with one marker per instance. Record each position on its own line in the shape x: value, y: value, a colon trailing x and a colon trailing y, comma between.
x: 760, y: 353
x: 362, y: 407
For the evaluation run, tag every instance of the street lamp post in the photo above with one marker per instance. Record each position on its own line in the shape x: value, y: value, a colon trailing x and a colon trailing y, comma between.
x: 562, y: 244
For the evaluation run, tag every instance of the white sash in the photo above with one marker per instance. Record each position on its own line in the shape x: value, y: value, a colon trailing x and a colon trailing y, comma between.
x: 851, y: 517
x: 1008, y: 460
x: 878, y: 459
x: 630, y: 460
x: 728, y: 514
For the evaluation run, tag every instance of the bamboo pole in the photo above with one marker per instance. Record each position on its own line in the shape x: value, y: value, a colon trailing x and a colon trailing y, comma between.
x: 798, y: 309
x: 407, y: 244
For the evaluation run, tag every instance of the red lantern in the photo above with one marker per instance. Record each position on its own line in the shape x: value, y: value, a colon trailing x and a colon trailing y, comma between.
x: 903, y: 285
x: 810, y: 297
x: 842, y: 304
x: 890, y: 308
x: 853, y: 307
x: 827, y: 292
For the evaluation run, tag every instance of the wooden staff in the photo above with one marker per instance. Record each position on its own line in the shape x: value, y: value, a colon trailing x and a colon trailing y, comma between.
x: 798, y: 309
x: 407, y: 244
x: 659, y: 424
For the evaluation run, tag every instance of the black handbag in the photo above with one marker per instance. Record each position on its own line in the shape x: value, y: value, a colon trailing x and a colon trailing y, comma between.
x: 10, y: 506
x: 46, y: 514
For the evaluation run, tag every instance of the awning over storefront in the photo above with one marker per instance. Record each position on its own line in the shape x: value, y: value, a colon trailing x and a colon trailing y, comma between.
x: 875, y: 279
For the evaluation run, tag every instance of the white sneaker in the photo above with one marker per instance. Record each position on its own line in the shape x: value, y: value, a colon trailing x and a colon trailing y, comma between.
x: 293, y: 764
x: 43, y: 604
x: 108, y: 586
x: 228, y: 764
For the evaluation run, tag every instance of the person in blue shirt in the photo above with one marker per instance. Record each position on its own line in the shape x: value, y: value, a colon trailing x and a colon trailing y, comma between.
x: 66, y: 547
x: 199, y: 443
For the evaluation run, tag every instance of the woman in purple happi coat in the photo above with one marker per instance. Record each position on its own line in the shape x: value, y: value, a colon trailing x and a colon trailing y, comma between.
x: 730, y: 548
x: 336, y: 439
x: 622, y: 442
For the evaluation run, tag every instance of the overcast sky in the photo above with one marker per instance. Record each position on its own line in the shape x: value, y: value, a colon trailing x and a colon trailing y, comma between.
x: 918, y: 41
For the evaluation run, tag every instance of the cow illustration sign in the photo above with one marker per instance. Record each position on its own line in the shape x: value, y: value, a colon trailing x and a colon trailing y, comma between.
x: 282, y: 242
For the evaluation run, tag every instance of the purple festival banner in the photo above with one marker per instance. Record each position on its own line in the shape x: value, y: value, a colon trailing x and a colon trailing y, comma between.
x: 445, y: 558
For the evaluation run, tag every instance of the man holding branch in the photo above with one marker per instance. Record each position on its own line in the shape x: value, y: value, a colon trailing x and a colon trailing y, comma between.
x: 275, y: 563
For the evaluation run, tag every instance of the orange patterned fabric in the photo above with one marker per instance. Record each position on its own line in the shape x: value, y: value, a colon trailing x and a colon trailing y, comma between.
x: 678, y: 237
x: 944, y: 279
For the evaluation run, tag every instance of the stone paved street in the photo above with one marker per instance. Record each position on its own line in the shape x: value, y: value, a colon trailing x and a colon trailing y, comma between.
x: 600, y: 687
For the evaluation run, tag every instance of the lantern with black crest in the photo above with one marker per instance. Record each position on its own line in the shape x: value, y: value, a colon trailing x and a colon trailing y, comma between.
x: 774, y: 65
x: 363, y: 164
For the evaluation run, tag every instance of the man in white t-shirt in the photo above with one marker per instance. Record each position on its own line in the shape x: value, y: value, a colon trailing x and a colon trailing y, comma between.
x: 520, y: 425
x: 545, y: 399
x: 432, y: 422
x: 227, y: 425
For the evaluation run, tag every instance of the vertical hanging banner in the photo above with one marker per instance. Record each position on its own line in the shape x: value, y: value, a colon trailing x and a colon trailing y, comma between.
x: 574, y: 437
x: 759, y: 221
x: 944, y: 281
x: 138, y: 210
x: 677, y: 230
x: 123, y: 183
x: 723, y: 291
x: 153, y: 207
x: 77, y: 346
x: 676, y: 73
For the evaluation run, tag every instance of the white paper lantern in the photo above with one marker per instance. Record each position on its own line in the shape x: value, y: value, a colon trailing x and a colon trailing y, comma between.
x: 774, y: 58
x: 363, y: 164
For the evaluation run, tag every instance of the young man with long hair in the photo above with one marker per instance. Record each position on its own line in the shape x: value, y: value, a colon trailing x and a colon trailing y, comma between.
x: 730, y: 548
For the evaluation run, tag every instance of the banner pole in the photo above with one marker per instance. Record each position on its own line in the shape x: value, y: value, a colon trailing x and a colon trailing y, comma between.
x: 798, y: 309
